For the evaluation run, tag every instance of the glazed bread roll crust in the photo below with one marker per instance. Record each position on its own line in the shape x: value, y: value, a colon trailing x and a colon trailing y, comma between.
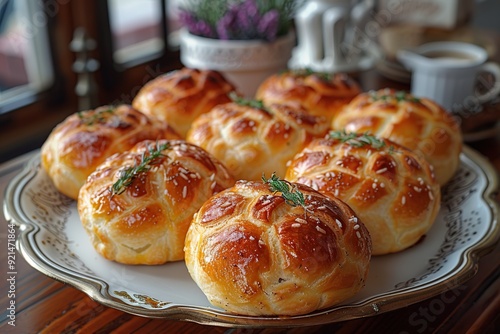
x: 180, y: 96
x: 251, y: 141
x: 320, y: 94
x: 391, y: 189
x: 252, y: 253
x: 80, y: 143
x: 145, y: 222
x: 416, y: 123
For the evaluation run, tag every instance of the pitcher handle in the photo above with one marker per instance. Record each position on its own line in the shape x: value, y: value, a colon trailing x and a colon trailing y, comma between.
x: 494, y: 91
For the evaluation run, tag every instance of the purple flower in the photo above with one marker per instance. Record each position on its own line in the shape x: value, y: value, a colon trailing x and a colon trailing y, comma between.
x: 228, y: 24
x: 238, y: 19
x: 194, y: 25
x: 248, y: 16
x: 187, y: 19
x: 204, y: 29
x: 268, y: 25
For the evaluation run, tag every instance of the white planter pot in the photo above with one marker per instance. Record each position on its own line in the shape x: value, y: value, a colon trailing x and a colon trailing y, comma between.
x: 246, y: 63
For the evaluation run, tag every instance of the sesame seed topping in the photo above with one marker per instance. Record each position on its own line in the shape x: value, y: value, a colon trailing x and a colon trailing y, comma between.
x: 356, y: 227
x: 417, y: 189
x: 212, y: 177
x: 184, y: 176
x: 184, y: 192
x: 225, y: 204
x: 339, y: 223
x: 374, y: 185
x: 320, y: 230
x: 381, y: 170
x: 353, y: 219
x: 212, y: 186
x: 431, y: 196
x: 300, y: 220
x: 336, y: 192
x: 403, y: 200
x: 358, y: 234
x: 382, y: 185
x: 295, y: 225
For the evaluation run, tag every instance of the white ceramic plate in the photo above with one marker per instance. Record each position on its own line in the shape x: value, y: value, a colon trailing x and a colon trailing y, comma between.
x: 53, y: 241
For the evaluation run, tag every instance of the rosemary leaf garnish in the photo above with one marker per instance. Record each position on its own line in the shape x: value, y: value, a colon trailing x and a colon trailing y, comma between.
x: 357, y: 140
x: 399, y: 96
x: 257, y: 104
x: 97, y: 117
x: 128, y: 175
x: 289, y: 192
x: 308, y: 71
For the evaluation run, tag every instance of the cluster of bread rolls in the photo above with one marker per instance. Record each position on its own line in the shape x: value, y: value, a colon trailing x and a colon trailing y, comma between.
x: 179, y: 176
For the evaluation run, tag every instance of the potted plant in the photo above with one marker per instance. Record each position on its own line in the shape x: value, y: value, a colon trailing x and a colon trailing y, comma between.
x: 246, y: 40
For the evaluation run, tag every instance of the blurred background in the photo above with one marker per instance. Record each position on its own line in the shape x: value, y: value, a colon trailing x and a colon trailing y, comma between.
x: 61, y: 56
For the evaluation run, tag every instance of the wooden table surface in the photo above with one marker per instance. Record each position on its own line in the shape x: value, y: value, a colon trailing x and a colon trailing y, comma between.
x: 43, y: 305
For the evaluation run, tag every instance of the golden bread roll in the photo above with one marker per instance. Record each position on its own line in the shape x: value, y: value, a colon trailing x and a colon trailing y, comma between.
x: 252, y: 140
x: 319, y: 93
x: 391, y: 189
x: 252, y: 252
x: 417, y: 123
x: 137, y: 206
x: 81, y: 142
x: 180, y: 96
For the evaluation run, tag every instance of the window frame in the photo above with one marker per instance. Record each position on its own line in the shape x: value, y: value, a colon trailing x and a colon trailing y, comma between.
x: 24, y: 125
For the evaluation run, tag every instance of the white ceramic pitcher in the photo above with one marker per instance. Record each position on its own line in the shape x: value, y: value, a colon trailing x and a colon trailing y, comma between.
x: 326, y: 32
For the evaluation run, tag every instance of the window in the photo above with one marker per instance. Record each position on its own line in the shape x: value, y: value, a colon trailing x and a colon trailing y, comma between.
x: 59, y: 56
x: 25, y: 60
x: 136, y: 27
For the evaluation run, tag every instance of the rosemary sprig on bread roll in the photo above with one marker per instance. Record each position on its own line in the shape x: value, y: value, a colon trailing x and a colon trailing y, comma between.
x: 128, y: 175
